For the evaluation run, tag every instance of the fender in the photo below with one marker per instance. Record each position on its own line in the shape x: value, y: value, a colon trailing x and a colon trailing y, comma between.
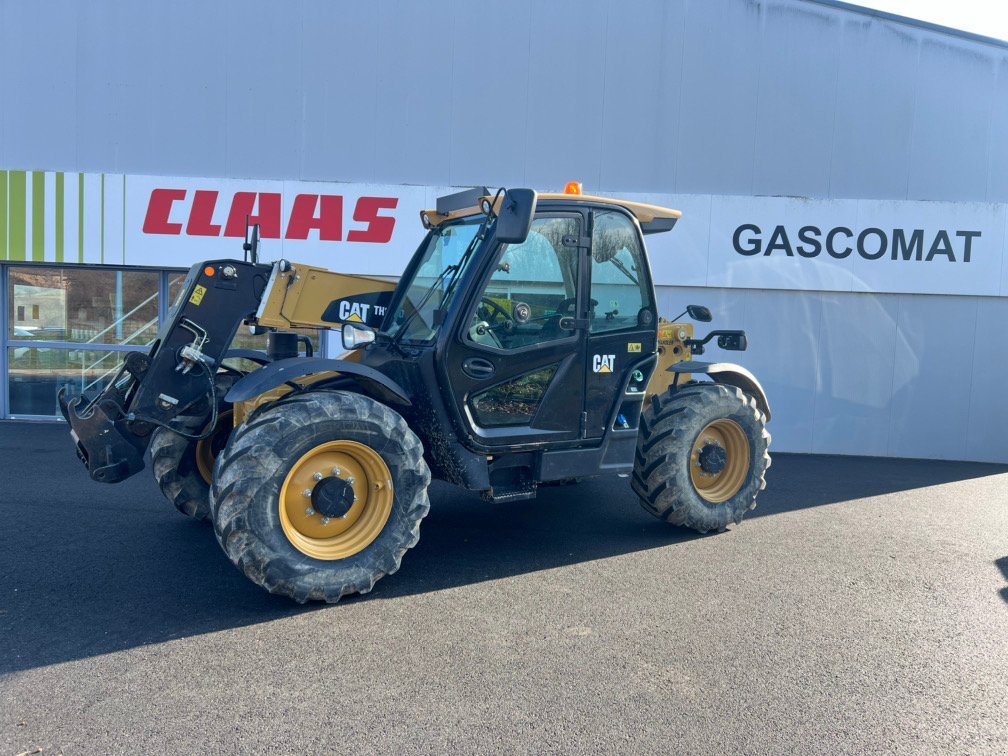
x: 280, y: 372
x: 731, y: 375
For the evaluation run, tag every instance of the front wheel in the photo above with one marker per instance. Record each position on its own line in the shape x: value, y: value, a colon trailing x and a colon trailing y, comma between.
x: 320, y: 495
x: 702, y: 456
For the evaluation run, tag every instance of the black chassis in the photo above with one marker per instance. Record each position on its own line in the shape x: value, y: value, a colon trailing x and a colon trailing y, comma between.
x: 113, y: 430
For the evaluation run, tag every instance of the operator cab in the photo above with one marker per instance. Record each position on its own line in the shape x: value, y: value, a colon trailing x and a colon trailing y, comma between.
x: 544, y: 341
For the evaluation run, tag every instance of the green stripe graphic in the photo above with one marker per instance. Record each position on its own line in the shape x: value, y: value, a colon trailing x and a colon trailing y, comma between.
x: 103, y: 218
x: 59, y: 217
x: 18, y: 208
x: 80, y: 217
x: 38, y: 216
x: 3, y: 215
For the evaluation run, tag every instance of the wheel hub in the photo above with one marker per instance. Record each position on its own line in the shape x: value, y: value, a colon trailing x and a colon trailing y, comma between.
x: 333, y: 497
x: 713, y: 459
x: 719, y: 460
x: 336, y: 500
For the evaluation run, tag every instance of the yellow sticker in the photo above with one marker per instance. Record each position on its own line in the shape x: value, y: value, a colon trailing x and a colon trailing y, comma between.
x: 197, y: 295
x: 633, y: 347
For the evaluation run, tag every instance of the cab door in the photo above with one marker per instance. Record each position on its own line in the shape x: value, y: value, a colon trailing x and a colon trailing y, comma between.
x: 622, y: 333
x: 516, y: 362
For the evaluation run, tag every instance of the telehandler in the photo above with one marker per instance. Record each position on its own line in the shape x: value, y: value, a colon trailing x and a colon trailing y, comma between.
x: 521, y: 347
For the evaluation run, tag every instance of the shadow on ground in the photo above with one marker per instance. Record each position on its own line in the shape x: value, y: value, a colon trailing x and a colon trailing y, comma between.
x: 88, y: 569
x: 1002, y: 564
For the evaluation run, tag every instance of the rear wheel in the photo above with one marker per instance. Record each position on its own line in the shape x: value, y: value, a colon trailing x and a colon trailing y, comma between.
x: 701, y: 456
x: 320, y: 495
x: 183, y: 467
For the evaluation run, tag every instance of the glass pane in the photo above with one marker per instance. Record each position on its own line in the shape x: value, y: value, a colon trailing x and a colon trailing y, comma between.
x: 619, y: 288
x: 444, y: 248
x: 533, y: 288
x: 37, y: 374
x: 514, y: 402
x: 175, y: 281
x: 83, y: 305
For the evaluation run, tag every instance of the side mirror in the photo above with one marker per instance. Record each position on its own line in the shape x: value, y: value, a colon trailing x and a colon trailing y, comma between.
x: 355, y: 336
x: 515, y: 217
x: 733, y: 341
x: 699, y: 313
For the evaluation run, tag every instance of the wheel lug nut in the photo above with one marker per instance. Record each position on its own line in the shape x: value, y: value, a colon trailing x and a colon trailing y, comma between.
x: 350, y: 481
x: 310, y: 512
x: 325, y: 520
x: 306, y: 493
x: 337, y: 472
x: 317, y: 477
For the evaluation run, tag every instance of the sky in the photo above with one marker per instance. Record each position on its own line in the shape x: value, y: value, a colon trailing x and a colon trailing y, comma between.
x: 986, y: 17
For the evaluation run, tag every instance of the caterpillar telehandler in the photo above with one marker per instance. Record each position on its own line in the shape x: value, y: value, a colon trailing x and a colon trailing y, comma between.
x: 521, y: 347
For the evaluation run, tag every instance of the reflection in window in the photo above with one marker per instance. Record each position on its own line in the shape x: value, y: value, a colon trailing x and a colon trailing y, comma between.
x: 83, y: 305
x: 619, y: 286
x: 514, y: 402
x: 37, y: 374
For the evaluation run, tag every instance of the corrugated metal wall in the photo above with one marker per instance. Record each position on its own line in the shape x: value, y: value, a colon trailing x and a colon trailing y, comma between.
x: 702, y: 96
x: 722, y: 96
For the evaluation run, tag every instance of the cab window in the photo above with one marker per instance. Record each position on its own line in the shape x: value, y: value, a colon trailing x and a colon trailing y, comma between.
x: 619, y: 284
x: 533, y: 287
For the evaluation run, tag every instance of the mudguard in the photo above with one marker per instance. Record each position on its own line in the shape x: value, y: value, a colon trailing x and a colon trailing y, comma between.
x: 730, y: 374
x: 280, y: 372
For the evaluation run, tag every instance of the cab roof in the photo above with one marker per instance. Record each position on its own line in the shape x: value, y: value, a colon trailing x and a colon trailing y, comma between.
x: 652, y: 218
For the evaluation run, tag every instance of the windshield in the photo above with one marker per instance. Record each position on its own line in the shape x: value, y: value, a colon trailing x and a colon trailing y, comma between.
x: 439, y: 267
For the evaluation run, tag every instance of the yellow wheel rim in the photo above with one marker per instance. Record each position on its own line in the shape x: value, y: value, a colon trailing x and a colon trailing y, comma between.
x: 208, y: 448
x: 719, y: 461
x: 336, y: 500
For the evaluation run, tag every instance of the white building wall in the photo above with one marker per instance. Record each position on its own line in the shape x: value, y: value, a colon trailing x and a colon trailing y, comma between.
x: 731, y: 97
x: 677, y: 96
x: 898, y: 375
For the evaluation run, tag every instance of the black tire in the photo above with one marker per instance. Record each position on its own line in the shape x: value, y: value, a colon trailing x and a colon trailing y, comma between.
x: 669, y: 427
x: 251, y: 472
x: 173, y: 457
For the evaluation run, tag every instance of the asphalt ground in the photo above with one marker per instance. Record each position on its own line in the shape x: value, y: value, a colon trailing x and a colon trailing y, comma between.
x: 862, y: 607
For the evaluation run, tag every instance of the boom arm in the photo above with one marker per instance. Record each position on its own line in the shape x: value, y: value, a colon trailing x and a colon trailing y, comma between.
x: 176, y: 375
x: 302, y: 296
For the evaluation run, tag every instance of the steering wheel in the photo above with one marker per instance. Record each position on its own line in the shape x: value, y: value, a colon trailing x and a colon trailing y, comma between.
x: 493, y: 310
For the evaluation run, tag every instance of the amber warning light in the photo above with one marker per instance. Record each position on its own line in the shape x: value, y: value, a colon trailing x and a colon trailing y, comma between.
x: 573, y: 187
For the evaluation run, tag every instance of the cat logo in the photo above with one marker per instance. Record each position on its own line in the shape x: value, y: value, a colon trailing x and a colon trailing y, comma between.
x: 353, y: 312
x: 603, y: 363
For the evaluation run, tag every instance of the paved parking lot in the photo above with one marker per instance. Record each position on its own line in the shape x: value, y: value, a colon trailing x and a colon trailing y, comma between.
x: 864, y: 606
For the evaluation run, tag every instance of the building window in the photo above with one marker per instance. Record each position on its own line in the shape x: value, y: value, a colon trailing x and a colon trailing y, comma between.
x: 71, y: 326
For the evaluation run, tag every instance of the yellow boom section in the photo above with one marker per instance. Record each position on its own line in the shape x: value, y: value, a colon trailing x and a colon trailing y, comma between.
x: 300, y: 296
